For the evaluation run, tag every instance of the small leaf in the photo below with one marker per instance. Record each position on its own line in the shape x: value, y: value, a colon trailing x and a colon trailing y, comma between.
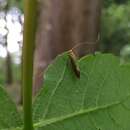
x: 9, y: 116
x: 99, y: 100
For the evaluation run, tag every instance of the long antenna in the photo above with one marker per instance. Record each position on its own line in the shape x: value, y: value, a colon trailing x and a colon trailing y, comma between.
x: 86, y: 43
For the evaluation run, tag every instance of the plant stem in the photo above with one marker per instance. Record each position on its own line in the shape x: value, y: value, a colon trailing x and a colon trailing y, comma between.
x: 28, y: 52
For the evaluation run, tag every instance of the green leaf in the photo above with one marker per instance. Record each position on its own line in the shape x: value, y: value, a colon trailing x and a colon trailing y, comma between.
x: 9, y: 116
x: 99, y: 100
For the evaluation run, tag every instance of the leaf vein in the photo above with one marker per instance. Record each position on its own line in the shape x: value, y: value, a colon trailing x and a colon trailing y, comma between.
x: 47, y: 122
x: 54, y: 91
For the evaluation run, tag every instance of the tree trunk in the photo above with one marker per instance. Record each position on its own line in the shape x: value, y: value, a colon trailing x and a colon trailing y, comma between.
x: 63, y: 24
x: 42, y: 51
x: 9, y: 75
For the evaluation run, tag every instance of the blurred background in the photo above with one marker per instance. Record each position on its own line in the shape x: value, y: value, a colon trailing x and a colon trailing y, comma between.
x: 94, y: 25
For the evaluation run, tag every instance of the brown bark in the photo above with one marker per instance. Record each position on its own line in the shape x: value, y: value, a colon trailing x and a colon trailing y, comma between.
x: 74, y: 22
x: 42, y: 51
x: 63, y: 24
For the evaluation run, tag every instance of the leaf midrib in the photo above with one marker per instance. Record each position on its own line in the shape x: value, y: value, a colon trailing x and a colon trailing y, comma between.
x: 43, y: 123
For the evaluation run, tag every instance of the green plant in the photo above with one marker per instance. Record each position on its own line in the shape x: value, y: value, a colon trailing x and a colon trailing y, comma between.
x: 18, y: 3
x: 97, y: 100
x: 28, y: 50
x: 115, y: 36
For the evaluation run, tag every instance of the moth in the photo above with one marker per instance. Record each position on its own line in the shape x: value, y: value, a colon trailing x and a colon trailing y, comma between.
x: 75, y: 67
x: 73, y: 57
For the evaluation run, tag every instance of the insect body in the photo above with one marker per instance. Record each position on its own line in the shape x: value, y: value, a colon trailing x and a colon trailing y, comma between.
x: 73, y: 63
x: 73, y: 57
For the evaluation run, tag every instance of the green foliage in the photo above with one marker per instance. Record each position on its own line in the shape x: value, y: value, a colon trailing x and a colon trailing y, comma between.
x: 115, y: 28
x: 99, y: 100
x: 9, y: 117
x: 125, y: 54
x: 18, y: 3
x: 108, y: 3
